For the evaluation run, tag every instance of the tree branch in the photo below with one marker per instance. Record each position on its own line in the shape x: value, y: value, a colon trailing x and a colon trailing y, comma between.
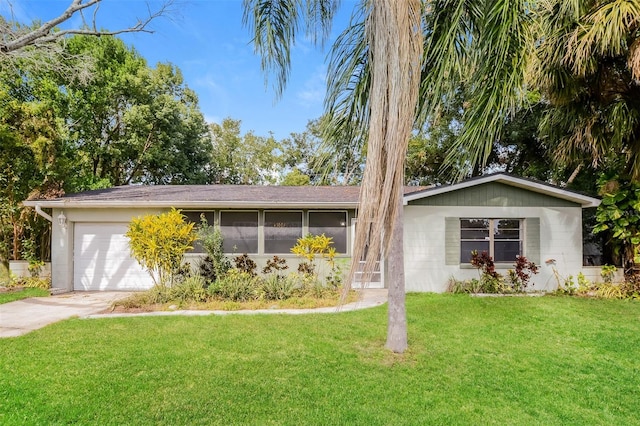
x: 46, y: 33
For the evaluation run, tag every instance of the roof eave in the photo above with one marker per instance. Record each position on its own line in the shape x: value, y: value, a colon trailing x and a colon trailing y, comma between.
x: 186, y: 204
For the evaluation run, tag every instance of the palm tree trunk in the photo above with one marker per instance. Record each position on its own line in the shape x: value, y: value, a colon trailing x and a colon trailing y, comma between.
x: 397, y: 321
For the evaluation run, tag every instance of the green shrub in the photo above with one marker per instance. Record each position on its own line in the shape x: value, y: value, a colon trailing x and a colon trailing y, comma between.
x: 485, y: 284
x: 35, y: 267
x: 629, y: 289
x: 607, y: 272
x: 192, y: 289
x: 457, y: 286
x: 155, y: 295
x: 610, y: 291
x: 159, y: 242
x: 584, y: 285
x: 310, y: 286
x: 235, y: 285
x: 335, y: 278
x: 275, y: 287
x: 490, y: 281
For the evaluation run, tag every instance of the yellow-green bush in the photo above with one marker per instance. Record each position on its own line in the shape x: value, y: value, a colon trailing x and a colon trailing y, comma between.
x: 159, y: 242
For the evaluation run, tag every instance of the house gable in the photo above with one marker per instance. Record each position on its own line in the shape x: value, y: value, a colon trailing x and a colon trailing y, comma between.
x: 493, y: 194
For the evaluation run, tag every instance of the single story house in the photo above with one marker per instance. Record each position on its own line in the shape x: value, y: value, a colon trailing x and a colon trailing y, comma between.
x: 499, y: 213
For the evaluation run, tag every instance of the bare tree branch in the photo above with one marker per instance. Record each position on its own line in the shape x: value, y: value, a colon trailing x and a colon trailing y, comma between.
x: 14, y: 38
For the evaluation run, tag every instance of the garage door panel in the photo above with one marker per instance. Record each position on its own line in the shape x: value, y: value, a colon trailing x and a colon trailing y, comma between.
x: 102, y: 260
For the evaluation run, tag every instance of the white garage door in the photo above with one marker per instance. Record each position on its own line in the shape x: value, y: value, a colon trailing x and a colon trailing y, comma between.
x: 102, y: 260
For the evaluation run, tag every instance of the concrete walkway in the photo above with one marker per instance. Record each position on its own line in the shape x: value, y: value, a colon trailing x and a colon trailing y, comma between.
x: 21, y: 317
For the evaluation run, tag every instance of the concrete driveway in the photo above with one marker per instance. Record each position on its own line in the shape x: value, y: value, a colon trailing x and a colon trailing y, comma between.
x: 21, y: 317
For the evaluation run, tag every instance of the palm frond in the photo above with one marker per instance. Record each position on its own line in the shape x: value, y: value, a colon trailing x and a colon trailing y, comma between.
x: 603, y: 31
x: 483, y: 46
x: 275, y: 25
x: 634, y: 59
x: 345, y: 127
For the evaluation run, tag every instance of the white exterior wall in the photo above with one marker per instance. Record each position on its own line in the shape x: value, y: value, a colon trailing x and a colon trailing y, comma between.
x: 424, y: 243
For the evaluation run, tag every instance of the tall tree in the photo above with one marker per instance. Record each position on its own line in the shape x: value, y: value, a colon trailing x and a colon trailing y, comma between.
x: 32, y: 161
x: 587, y: 66
x: 324, y: 163
x: 134, y: 124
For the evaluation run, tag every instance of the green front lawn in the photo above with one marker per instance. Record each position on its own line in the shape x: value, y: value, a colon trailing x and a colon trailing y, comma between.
x: 513, y: 360
x: 22, y: 293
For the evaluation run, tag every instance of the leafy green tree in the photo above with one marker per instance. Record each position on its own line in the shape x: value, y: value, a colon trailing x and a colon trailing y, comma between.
x: 133, y: 123
x: 216, y: 264
x: 58, y: 134
x: 323, y: 163
x: 587, y: 66
x: 295, y: 178
x: 243, y: 159
x: 33, y: 162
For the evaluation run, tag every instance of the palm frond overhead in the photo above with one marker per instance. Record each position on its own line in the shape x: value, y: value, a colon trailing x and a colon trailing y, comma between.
x: 482, y: 46
x: 604, y: 31
x: 348, y: 83
x: 587, y: 68
x: 276, y: 25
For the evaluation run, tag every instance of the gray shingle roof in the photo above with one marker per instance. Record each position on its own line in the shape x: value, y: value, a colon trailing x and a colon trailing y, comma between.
x: 234, y: 193
x: 211, y: 195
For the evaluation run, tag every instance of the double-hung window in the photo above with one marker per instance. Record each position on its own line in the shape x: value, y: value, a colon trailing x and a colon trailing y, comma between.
x: 501, y: 238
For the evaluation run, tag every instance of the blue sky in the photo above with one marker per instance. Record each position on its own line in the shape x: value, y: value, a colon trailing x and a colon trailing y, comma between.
x: 207, y: 41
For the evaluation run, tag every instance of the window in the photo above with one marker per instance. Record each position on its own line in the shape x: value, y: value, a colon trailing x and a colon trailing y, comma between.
x: 281, y: 231
x: 196, y: 218
x: 501, y: 238
x: 331, y: 224
x: 240, y: 231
